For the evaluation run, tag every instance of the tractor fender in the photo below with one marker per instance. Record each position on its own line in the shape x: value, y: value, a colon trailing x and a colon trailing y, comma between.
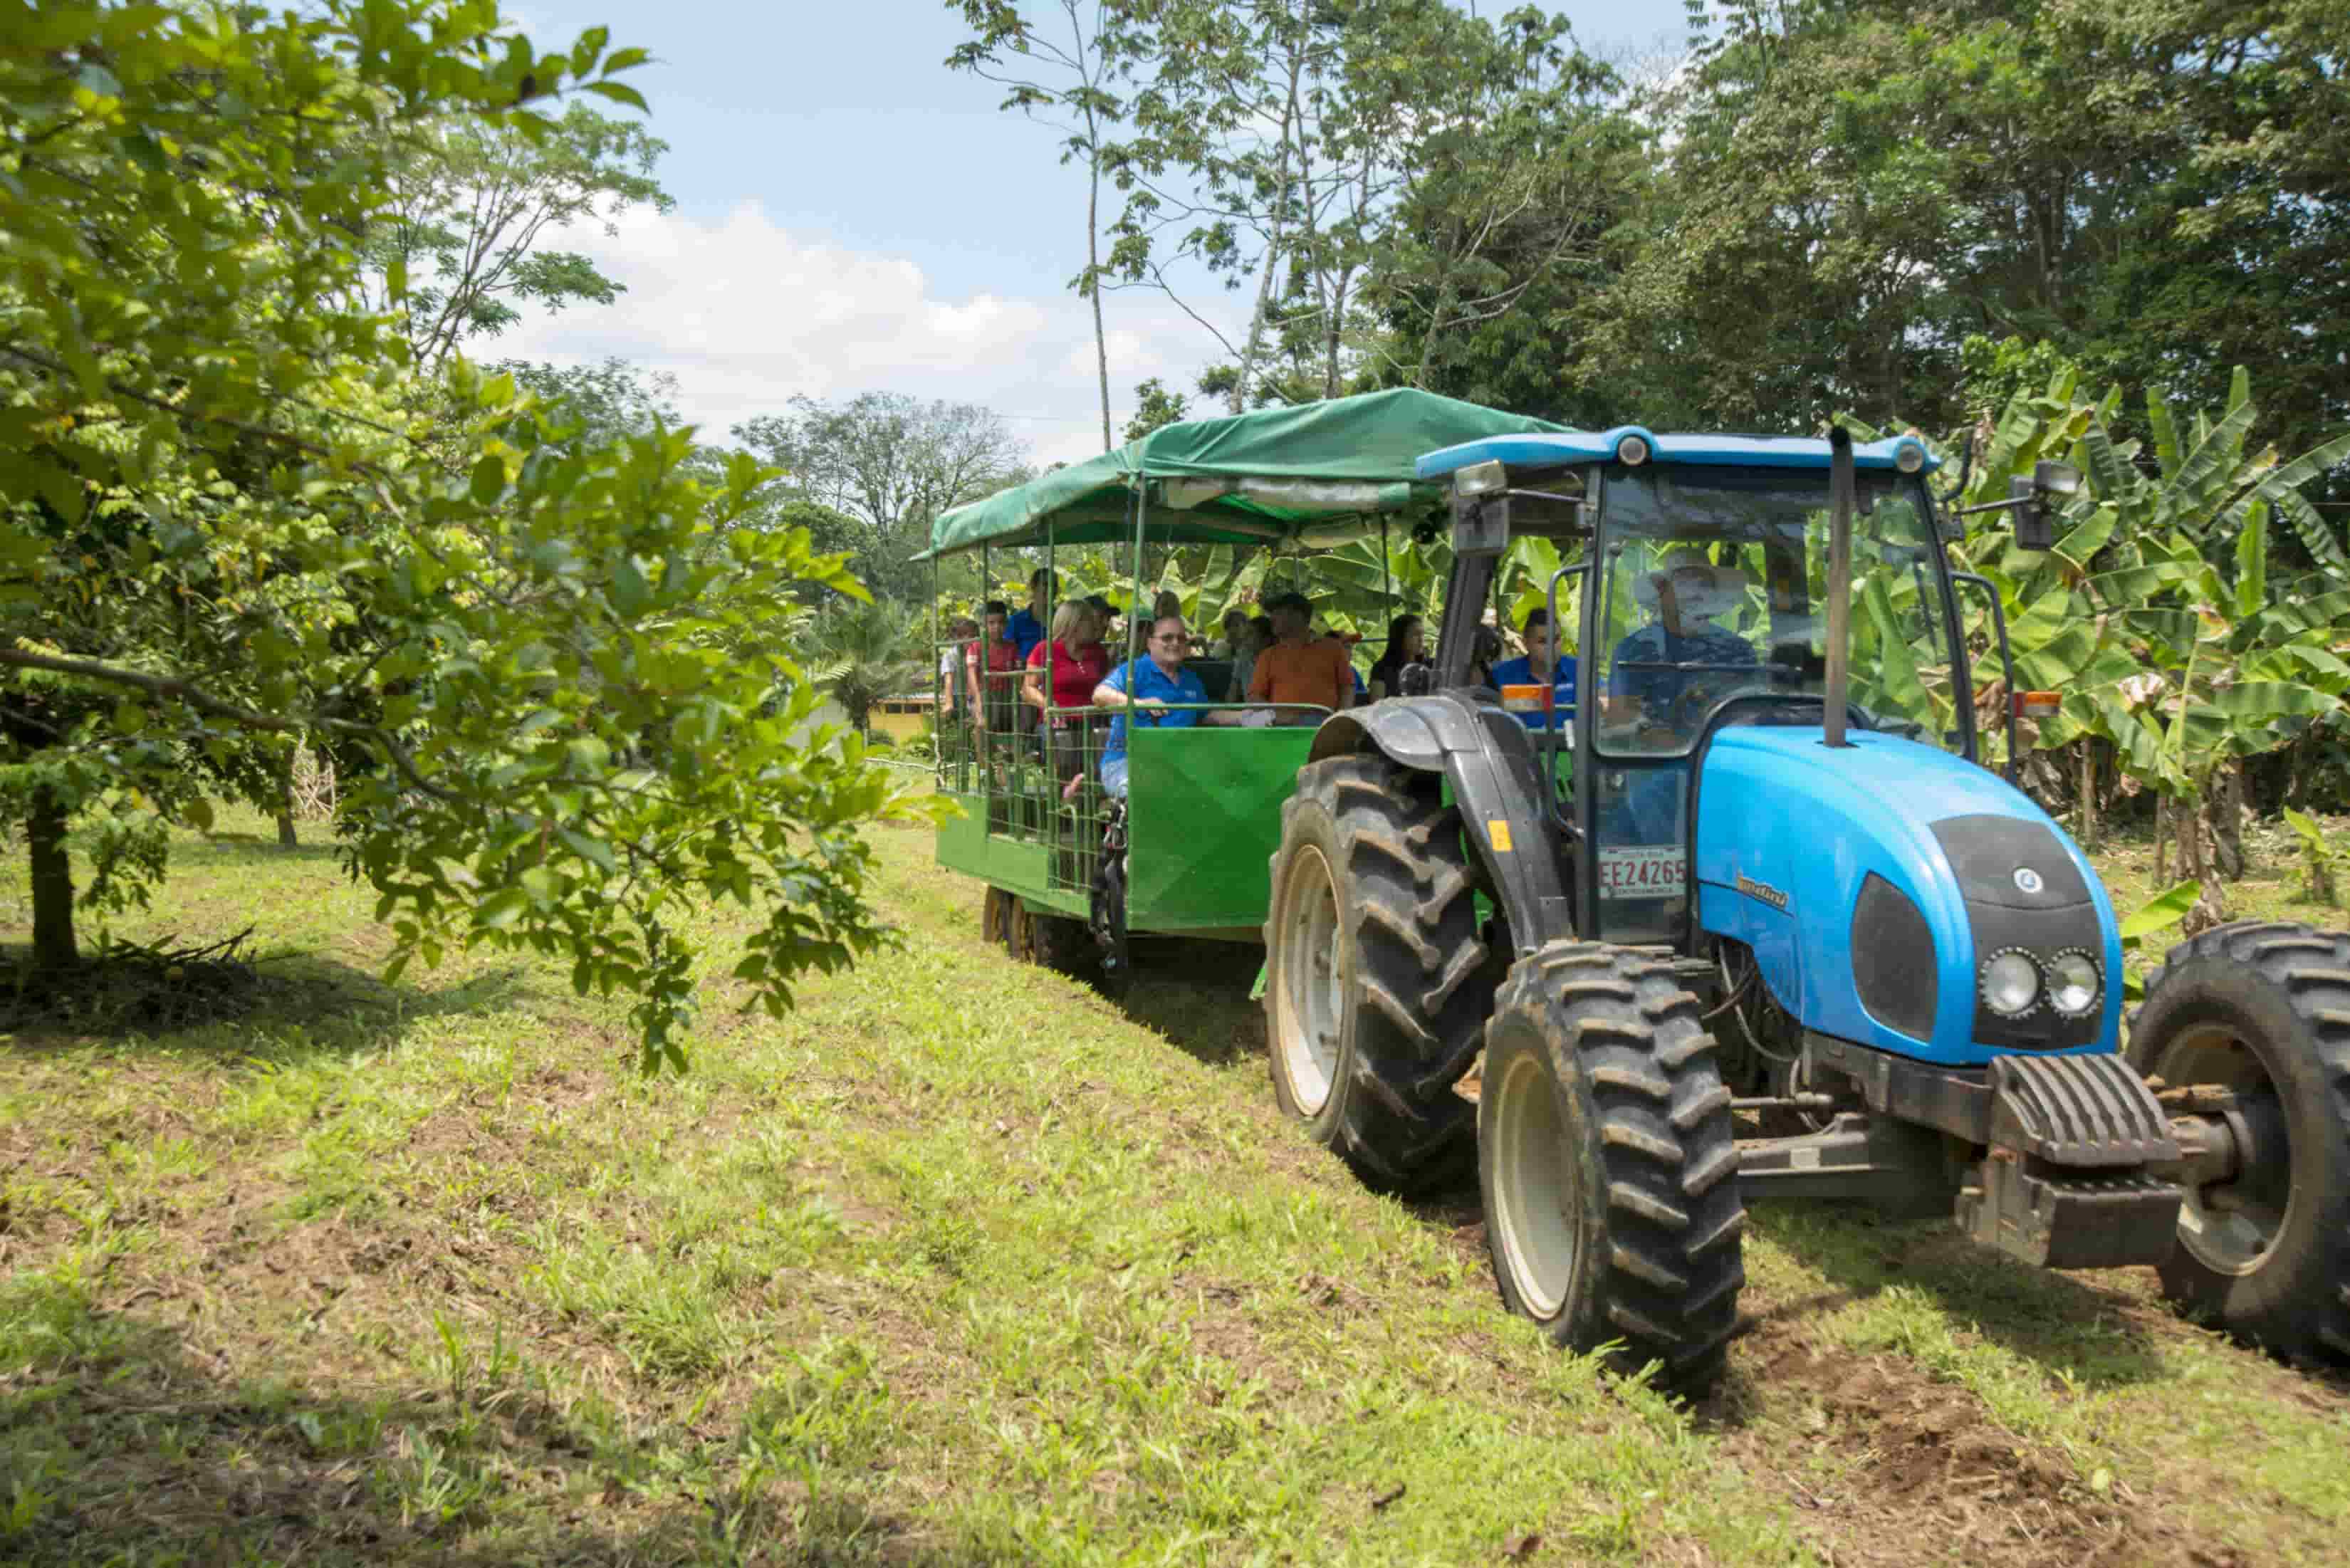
x: 1507, y: 819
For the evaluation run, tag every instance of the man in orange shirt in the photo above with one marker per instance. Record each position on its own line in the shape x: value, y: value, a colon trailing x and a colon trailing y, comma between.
x: 1300, y: 667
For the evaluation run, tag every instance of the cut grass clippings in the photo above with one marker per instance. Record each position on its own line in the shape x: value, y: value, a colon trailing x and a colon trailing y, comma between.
x: 960, y: 1262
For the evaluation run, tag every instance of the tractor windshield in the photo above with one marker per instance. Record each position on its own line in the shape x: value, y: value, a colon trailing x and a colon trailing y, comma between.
x: 1715, y: 583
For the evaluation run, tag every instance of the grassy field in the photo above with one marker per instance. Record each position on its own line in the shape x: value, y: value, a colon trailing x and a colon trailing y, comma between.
x: 959, y: 1263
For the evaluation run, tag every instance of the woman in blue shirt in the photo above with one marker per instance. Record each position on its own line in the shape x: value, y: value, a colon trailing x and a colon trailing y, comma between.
x: 1149, y: 685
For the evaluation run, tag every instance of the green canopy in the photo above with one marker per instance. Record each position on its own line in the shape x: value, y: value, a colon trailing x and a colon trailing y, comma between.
x: 1278, y: 475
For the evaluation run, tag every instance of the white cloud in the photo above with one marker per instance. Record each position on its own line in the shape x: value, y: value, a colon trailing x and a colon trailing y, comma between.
x: 746, y: 316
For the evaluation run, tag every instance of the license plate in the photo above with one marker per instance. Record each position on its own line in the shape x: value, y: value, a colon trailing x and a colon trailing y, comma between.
x: 1643, y: 871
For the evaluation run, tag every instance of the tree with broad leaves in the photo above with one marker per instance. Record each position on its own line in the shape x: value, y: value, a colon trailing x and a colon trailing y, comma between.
x: 458, y: 250
x: 1154, y: 406
x: 861, y: 651
x: 227, y: 509
x: 892, y: 463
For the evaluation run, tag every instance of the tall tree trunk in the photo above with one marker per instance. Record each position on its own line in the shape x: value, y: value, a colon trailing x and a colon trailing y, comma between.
x: 286, y: 838
x: 53, y: 893
x: 1093, y: 287
x: 1273, y: 250
x: 2196, y: 862
x: 2226, y: 809
x: 2161, y: 822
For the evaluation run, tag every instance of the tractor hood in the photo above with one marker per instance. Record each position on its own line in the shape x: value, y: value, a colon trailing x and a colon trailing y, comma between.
x: 1873, y: 881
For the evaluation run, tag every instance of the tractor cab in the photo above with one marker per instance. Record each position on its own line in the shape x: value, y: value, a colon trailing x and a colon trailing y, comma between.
x: 1697, y: 586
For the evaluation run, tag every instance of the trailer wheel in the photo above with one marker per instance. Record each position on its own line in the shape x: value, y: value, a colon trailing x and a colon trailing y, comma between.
x: 2262, y: 1008
x: 995, y: 914
x: 1054, y: 940
x: 1376, y: 987
x: 1607, y: 1161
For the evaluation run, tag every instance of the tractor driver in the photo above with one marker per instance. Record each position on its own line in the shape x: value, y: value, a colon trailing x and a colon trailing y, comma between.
x: 1147, y: 686
x: 1658, y: 710
x: 1686, y: 591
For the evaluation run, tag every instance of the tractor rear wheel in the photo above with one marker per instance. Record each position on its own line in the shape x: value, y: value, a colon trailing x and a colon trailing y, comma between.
x: 1607, y: 1161
x: 2262, y: 1008
x: 1376, y: 987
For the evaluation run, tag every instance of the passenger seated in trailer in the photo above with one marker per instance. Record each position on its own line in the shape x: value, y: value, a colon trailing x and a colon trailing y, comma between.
x: 1542, y: 665
x: 1484, y: 652
x: 1235, y: 623
x: 1076, y: 662
x: 952, y: 692
x: 992, y: 666
x: 1406, y: 644
x: 1144, y: 687
x: 1241, y: 646
x: 1027, y: 629
x: 1300, y: 667
x: 1348, y: 641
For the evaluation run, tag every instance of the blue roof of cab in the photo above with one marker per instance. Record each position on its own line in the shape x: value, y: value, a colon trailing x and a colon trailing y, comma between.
x: 1743, y: 452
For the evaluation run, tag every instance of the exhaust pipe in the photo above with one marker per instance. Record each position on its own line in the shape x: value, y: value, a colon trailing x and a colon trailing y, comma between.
x: 1841, y: 492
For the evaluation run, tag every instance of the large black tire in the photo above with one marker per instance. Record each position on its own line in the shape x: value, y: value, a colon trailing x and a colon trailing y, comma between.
x: 1609, y: 1165
x: 1055, y: 940
x: 997, y: 909
x: 1376, y: 987
x: 2263, y: 1008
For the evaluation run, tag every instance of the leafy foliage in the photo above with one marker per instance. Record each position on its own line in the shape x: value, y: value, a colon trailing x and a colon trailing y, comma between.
x: 227, y: 510
x: 471, y: 200
x: 888, y: 464
x: 862, y: 652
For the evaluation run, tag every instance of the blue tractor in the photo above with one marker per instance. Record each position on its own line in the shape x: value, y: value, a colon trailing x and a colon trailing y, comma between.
x: 1749, y: 865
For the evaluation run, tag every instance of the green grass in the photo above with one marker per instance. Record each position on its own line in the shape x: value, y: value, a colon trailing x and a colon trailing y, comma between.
x: 960, y: 1262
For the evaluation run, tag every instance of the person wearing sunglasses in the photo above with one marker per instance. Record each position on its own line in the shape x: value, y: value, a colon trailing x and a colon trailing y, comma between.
x: 1152, y: 689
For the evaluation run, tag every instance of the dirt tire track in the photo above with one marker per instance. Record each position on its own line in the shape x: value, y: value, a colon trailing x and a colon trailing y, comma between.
x: 1889, y: 1466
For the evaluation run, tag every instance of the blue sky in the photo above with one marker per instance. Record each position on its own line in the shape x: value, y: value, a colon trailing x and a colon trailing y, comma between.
x: 853, y: 215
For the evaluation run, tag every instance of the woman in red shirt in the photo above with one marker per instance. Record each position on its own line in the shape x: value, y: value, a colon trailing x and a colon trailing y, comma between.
x: 1074, y: 660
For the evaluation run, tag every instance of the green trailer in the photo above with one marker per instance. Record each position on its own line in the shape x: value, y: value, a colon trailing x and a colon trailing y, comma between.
x: 1070, y: 874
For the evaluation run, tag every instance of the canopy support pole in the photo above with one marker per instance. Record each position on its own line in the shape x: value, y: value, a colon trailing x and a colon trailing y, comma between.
x: 1135, y: 614
x: 1386, y: 588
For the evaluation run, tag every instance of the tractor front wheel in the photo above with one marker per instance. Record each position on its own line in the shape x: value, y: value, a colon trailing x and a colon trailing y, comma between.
x: 1608, y: 1163
x: 2262, y: 1009
x: 1376, y: 985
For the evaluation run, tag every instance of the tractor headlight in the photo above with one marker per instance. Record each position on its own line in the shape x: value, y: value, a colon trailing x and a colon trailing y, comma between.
x: 2074, y: 983
x: 2010, y: 983
x: 1480, y: 478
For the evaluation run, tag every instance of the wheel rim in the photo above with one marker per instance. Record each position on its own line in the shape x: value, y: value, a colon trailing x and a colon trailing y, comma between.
x: 1312, y: 983
x: 1535, y: 1213
x: 2230, y: 1227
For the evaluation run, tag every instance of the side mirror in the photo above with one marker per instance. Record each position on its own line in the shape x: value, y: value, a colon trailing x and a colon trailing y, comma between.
x: 2034, y: 529
x: 1481, y: 525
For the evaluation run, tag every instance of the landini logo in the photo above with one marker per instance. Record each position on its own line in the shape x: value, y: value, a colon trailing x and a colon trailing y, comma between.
x: 1762, y: 890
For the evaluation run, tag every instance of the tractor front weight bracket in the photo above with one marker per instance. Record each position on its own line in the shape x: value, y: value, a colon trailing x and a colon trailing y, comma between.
x: 2074, y: 1164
